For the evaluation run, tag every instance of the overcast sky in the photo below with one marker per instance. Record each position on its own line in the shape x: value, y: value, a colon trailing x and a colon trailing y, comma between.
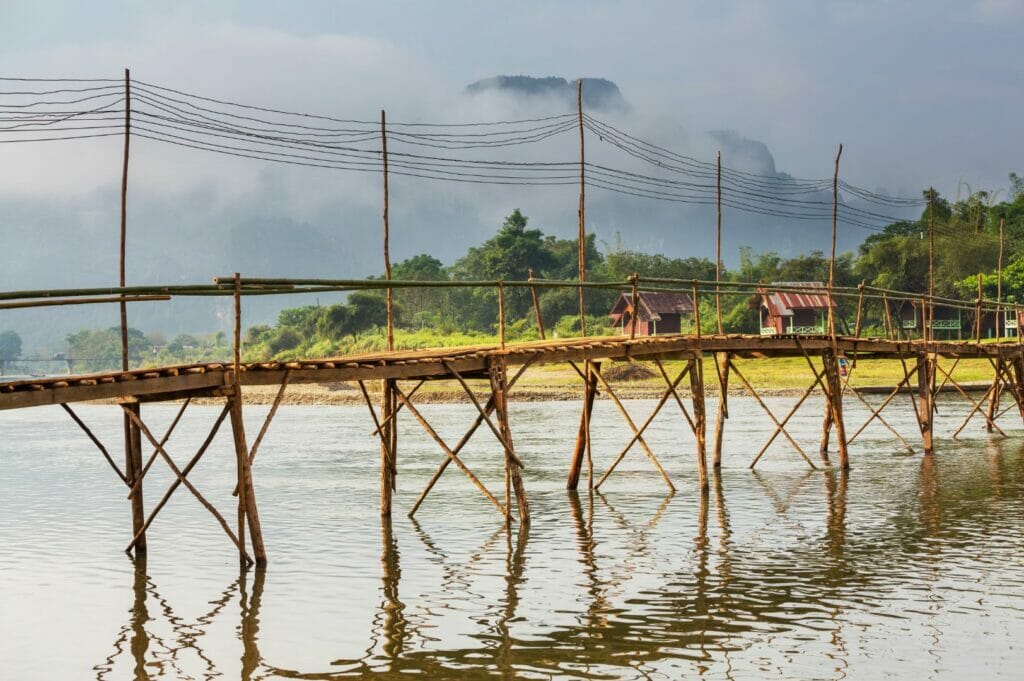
x: 918, y: 91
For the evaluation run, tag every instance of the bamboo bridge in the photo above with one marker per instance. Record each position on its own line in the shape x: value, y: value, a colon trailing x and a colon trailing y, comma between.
x: 401, y: 373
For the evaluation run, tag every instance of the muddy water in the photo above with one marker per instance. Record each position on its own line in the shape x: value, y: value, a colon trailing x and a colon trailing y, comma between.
x: 903, y: 568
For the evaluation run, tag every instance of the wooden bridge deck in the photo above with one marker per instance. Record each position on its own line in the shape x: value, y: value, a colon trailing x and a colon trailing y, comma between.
x: 172, y: 382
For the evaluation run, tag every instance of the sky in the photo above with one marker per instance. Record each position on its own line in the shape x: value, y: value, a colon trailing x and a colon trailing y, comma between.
x: 920, y: 93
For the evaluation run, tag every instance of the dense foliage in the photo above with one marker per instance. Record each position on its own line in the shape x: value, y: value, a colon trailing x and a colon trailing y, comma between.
x: 966, y: 235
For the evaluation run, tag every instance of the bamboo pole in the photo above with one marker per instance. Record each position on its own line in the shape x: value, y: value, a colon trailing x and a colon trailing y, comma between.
x: 499, y: 432
x: 718, y: 244
x: 832, y: 259
x: 387, y: 439
x: 977, y: 314
x: 498, y: 375
x: 536, y: 307
x: 501, y: 314
x: 925, y: 380
x: 635, y: 302
x: 387, y: 233
x: 860, y: 310
x: 722, y: 369
x: 124, y: 214
x: 931, y: 263
x: 1000, y: 321
x: 582, y: 210
x: 583, y: 435
x: 80, y: 301
x: 133, y: 473
x: 696, y: 309
x: 835, y: 398
x: 696, y: 366
x: 95, y: 441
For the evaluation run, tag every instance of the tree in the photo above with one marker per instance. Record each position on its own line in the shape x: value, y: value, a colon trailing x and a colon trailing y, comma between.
x: 412, y: 303
x: 10, y: 346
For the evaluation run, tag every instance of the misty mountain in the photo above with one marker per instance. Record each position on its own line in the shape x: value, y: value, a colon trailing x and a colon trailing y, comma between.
x: 598, y: 94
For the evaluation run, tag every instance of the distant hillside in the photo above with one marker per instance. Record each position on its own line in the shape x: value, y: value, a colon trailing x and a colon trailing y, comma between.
x: 598, y: 94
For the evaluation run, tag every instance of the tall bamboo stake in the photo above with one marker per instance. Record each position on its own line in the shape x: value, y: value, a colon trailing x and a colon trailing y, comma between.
x: 132, y: 437
x: 636, y: 306
x: 387, y: 234
x: 696, y: 310
x: 832, y: 259
x: 536, y: 307
x: 977, y: 313
x: 582, y: 209
x: 124, y: 214
x: 501, y: 314
x: 931, y: 262
x: 1000, y: 323
x: 718, y: 245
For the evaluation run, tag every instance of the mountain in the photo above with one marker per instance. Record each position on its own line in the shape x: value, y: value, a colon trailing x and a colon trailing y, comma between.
x: 598, y: 94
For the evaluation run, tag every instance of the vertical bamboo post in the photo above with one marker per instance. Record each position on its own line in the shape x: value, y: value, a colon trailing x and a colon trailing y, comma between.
x: 926, y: 396
x: 583, y: 435
x: 835, y: 398
x: 696, y: 308
x: 124, y: 215
x: 498, y: 373
x: 388, y: 445
x: 993, y: 403
x: 501, y: 313
x: 582, y: 210
x: 536, y: 306
x: 832, y: 259
x: 1000, y: 321
x: 387, y: 233
x: 722, y: 368
x: 699, y: 418
x: 246, y: 493
x: 888, y: 316
x: 931, y: 261
x: 977, y: 319
x: 860, y: 309
x: 132, y: 471
x: 132, y: 437
x: 636, y: 306
x: 826, y: 430
x: 718, y: 245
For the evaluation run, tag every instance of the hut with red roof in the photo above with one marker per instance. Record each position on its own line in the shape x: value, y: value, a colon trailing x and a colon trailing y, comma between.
x: 793, y: 307
x: 656, y: 313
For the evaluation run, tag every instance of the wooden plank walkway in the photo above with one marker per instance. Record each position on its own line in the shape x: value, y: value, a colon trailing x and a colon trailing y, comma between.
x: 175, y: 382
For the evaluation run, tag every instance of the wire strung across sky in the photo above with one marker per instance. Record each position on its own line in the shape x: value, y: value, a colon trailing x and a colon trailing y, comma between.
x: 37, y: 110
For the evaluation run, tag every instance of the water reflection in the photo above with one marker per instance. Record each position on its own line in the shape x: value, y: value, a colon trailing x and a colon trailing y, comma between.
x: 784, y: 579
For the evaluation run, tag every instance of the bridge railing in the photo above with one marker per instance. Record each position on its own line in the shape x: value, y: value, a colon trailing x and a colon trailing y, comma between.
x: 877, y: 311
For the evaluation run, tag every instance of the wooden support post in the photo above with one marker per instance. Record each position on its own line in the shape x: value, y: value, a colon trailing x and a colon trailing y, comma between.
x: 832, y: 259
x: 826, y: 430
x: 977, y: 313
x: 635, y: 304
x: 1017, y: 384
x: 696, y: 309
x: 387, y: 233
x: 536, y: 307
x: 993, y: 403
x: 246, y: 492
x: 583, y: 435
x: 722, y: 368
x: 835, y: 399
x: 498, y: 374
x: 926, y: 398
x: 860, y: 310
x: 388, y: 444
x: 700, y: 420
x: 718, y: 245
x: 133, y: 472
x: 582, y: 243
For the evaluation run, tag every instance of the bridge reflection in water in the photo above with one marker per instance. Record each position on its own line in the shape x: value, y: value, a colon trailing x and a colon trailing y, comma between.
x: 709, y: 612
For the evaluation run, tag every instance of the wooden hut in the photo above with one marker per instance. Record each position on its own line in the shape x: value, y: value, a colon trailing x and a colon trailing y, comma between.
x: 947, y: 322
x: 657, y: 313
x: 793, y: 311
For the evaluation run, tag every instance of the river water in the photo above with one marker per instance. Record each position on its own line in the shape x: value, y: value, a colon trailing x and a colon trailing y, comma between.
x: 905, y: 568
